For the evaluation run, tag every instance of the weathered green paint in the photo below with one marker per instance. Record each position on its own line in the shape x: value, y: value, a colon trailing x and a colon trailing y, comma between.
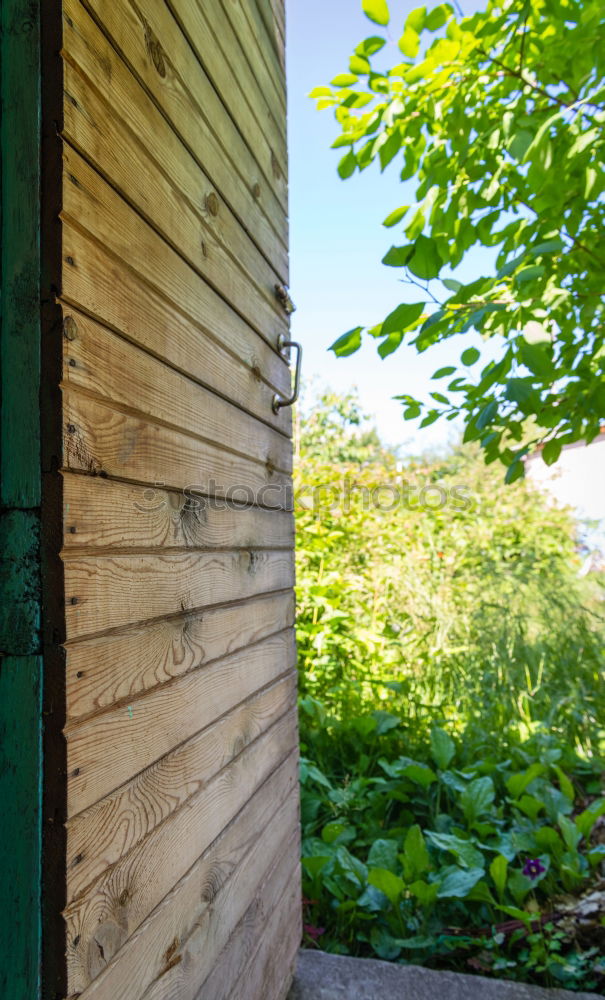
x: 19, y: 582
x: 21, y: 669
x: 20, y: 790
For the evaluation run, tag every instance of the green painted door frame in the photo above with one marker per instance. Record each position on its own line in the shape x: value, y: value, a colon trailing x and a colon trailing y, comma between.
x: 20, y: 504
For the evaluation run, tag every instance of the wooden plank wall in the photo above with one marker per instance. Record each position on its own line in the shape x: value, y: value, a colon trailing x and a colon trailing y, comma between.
x: 182, y: 801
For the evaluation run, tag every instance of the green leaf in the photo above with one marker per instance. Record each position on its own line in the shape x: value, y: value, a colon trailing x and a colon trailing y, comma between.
x: 498, y: 871
x: 347, y: 165
x: 395, y: 216
x: 443, y: 747
x: 348, y: 343
x: 345, y: 80
x: 390, y: 148
x: 376, y: 10
x: 370, y: 46
x: 477, y: 798
x: 398, y: 256
x: 470, y: 356
x: 516, y: 470
x: 463, y: 850
x: 571, y: 835
x: 419, y: 773
x: 315, y: 864
x: 388, y: 883
x: 587, y: 819
x: 391, y: 344
x: 359, y: 65
x: 415, y: 853
x: 550, y: 454
x: 403, y: 317
x: 529, y: 273
x: 409, y: 43
x: 538, y: 358
x: 443, y: 372
x: 520, y: 143
x: 438, y: 16
x: 425, y: 893
x: 425, y: 261
x: 452, y: 285
x: 416, y: 19
x: 332, y: 831
x: 383, y: 854
x: 456, y: 883
x: 384, y: 944
x: 487, y: 414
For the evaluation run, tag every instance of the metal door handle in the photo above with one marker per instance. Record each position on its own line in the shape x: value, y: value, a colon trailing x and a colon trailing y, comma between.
x: 282, y: 346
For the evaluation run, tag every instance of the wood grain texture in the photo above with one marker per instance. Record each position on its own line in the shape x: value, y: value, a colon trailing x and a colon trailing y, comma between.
x: 103, y: 441
x: 159, y: 55
x: 99, y: 362
x: 250, y: 31
x: 181, y: 724
x: 259, y: 958
x: 93, y: 205
x: 258, y: 112
x: 108, y: 749
x: 107, y: 74
x: 184, y: 980
x: 142, y: 959
x: 273, y: 15
x: 99, y: 836
x: 115, y: 590
x: 222, y: 355
x: 183, y: 215
x: 105, y: 514
x: 127, y: 893
x: 116, y: 668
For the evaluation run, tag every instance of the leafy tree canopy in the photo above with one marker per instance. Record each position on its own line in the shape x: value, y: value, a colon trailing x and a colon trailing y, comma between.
x: 499, y: 119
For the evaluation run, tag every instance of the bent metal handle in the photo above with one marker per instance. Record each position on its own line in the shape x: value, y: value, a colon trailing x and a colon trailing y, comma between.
x: 282, y: 346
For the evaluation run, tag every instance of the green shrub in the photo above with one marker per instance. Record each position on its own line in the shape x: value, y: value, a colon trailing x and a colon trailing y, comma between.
x: 451, y: 666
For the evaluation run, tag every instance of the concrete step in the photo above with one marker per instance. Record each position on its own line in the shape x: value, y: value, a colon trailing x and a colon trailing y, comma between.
x: 320, y: 976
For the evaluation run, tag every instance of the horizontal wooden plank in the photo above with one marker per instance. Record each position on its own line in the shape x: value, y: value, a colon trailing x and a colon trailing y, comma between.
x: 110, y: 591
x: 91, y: 203
x: 258, y: 961
x: 189, y: 219
x: 257, y: 113
x: 99, y: 836
x: 106, y: 750
x: 101, y: 440
x: 105, y: 514
x: 118, y: 667
x: 143, y: 957
x: 250, y: 31
x: 273, y: 15
x: 90, y: 50
x: 97, y: 360
x: 238, y: 365
x: 152, y: 44
x: 126, y: 894
x: 203, y: 946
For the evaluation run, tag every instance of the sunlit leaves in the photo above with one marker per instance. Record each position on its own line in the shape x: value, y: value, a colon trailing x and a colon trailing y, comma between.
x: 376, y: 10
x: 425, y: 261
x: 507, y: 149
x: 409, y: 43
x: 395, y: 216
x: 348, y: 343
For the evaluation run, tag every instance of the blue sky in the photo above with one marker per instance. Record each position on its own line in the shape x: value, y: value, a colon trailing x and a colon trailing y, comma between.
x: 337, y: 241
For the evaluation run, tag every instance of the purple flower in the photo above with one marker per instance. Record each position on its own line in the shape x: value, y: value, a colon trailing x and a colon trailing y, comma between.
x: 533, y: 867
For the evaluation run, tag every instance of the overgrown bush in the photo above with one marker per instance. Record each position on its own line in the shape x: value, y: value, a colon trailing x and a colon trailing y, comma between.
x: 451, y: 663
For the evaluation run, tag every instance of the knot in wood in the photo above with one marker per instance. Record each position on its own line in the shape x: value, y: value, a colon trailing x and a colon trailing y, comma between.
x: 212, y: 203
